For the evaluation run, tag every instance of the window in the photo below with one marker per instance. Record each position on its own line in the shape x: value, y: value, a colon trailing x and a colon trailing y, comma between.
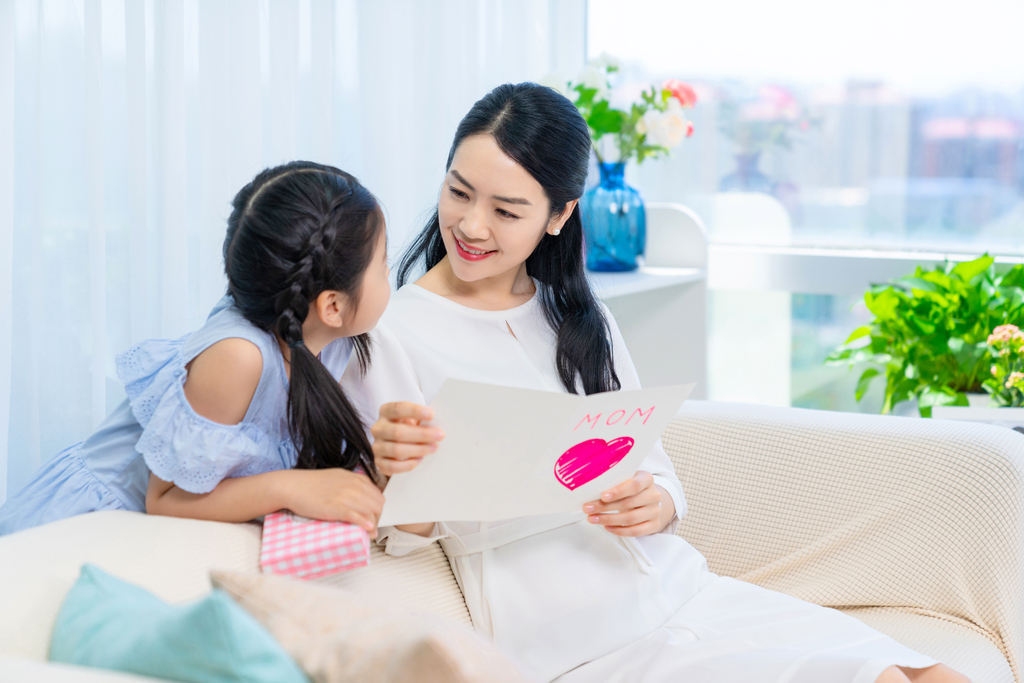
x: 894, y: 125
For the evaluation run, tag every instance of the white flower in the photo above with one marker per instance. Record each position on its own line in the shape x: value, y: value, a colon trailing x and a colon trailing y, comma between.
x: 608, y: 149
x: 592, y: 77
x: 606, y: 61
x: 664, y: 128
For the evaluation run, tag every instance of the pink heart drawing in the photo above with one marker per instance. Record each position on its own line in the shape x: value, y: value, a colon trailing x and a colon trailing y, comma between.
x: 590, y: 459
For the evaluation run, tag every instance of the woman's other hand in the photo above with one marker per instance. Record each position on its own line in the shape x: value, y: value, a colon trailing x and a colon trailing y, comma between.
x: 399, y: 440
x: 636, y: 507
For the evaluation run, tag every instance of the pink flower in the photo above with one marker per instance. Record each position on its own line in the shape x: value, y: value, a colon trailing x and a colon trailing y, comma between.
x: 1004, y: 333
x: 689, y: 132
x: 781, y: 101
x: 995, y: 371
x: 1013, y: 379
x: 681, y: 91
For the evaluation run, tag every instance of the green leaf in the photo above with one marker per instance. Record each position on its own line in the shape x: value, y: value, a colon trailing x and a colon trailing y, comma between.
x: 864, y: 382
x: 912, y: 282
x: 920, y: 325
x: 968, y: 270
x: 838, y: 357
x: 858, y: 333
x: 903, y: 391
x: 939, y: 278
x: 883, y: 304
x: 1014, y: 277
x: 603, y: 119
x: 942, y: 396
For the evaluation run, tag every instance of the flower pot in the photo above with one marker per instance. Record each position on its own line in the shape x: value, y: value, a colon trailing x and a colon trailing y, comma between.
x: 981, y: 410
x: 614, y: 221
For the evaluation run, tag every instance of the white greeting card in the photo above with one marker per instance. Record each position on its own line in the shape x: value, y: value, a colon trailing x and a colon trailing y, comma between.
x: 517, y: 452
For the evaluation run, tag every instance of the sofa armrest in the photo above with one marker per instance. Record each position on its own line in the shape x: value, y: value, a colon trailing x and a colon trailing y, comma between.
x: 850, y: 510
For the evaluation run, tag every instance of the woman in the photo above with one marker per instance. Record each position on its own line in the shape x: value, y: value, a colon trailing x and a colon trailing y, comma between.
x: 609, y: 593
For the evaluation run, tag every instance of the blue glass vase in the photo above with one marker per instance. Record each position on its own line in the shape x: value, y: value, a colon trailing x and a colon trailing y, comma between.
x: 747, y: 177
x: 615, y: 224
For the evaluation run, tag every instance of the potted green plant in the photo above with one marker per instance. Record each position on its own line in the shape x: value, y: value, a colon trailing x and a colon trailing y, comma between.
x: 930, y: 335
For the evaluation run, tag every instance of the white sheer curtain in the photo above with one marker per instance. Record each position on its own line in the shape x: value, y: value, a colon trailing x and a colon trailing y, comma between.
x: 126, y: 127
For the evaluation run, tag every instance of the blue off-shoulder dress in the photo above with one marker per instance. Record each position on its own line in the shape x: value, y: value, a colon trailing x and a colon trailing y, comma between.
x: 155, y: 430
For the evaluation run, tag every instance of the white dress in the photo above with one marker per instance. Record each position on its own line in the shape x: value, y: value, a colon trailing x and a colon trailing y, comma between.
x: 564, y: 597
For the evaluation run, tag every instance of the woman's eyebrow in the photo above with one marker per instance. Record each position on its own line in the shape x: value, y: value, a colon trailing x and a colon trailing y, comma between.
x: 507, y: 200
x: 458, y: 176
x: 512, y: 200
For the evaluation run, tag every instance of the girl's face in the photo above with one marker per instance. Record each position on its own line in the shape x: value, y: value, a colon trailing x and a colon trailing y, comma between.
x: 492, y: 212
x: 374, y: 292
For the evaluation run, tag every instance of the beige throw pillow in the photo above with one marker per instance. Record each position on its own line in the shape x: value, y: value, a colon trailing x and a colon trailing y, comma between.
x: 338, y: 637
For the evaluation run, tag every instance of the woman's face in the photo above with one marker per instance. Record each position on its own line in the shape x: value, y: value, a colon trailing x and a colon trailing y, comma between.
x: 492, y: 212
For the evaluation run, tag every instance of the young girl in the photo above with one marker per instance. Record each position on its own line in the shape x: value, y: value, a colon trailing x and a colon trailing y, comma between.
x: 608, y: 593
x: 215, y: 421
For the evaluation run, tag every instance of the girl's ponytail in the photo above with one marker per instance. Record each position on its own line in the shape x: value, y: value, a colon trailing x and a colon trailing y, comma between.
x: 296, y: 231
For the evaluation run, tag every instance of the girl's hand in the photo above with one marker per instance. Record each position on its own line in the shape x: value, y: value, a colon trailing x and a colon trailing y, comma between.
x: 335, y: 495
x: 399, y: 442
x: 640, y: 507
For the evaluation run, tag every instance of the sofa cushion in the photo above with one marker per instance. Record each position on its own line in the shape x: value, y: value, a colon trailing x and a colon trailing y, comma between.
x: 338, y: 637
x: 111, y: 624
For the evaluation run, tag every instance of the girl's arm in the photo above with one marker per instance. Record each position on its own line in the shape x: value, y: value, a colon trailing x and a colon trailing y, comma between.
x: 331, y: 494
x: 220, y: 385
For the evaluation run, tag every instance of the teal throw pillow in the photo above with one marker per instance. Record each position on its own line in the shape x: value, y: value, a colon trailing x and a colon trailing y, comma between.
x: 107, y: 623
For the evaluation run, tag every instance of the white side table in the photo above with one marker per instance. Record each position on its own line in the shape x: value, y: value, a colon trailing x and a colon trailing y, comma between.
x: 661, y: 308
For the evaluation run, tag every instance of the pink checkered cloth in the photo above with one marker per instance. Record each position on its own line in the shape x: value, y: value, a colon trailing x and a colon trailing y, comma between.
x: 308, y: 548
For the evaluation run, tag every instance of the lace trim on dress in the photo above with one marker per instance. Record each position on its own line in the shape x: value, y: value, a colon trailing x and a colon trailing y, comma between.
x: 178, y: 444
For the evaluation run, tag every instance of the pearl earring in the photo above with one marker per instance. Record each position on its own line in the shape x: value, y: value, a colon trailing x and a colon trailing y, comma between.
x: 557, y: 230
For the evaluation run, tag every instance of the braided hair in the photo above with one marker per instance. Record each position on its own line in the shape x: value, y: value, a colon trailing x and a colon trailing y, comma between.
x: 295, y: 231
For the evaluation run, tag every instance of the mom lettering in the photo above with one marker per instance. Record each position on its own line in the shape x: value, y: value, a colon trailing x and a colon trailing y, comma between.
x: 616, y: 417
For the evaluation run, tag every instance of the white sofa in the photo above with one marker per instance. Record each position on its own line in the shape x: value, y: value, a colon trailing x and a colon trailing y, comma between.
x: 914, y: 526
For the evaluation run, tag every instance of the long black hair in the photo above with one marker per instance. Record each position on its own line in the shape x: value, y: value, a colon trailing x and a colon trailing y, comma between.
x: 295, y: 231
x: 544, y: 133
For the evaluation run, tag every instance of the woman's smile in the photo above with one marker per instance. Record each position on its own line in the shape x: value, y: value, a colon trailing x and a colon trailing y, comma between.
x: 470, y: 254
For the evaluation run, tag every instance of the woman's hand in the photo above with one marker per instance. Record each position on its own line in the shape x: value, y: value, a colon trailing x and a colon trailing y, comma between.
x: 636, y: 507
x: 399, y: 442
x: 334, y: 495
